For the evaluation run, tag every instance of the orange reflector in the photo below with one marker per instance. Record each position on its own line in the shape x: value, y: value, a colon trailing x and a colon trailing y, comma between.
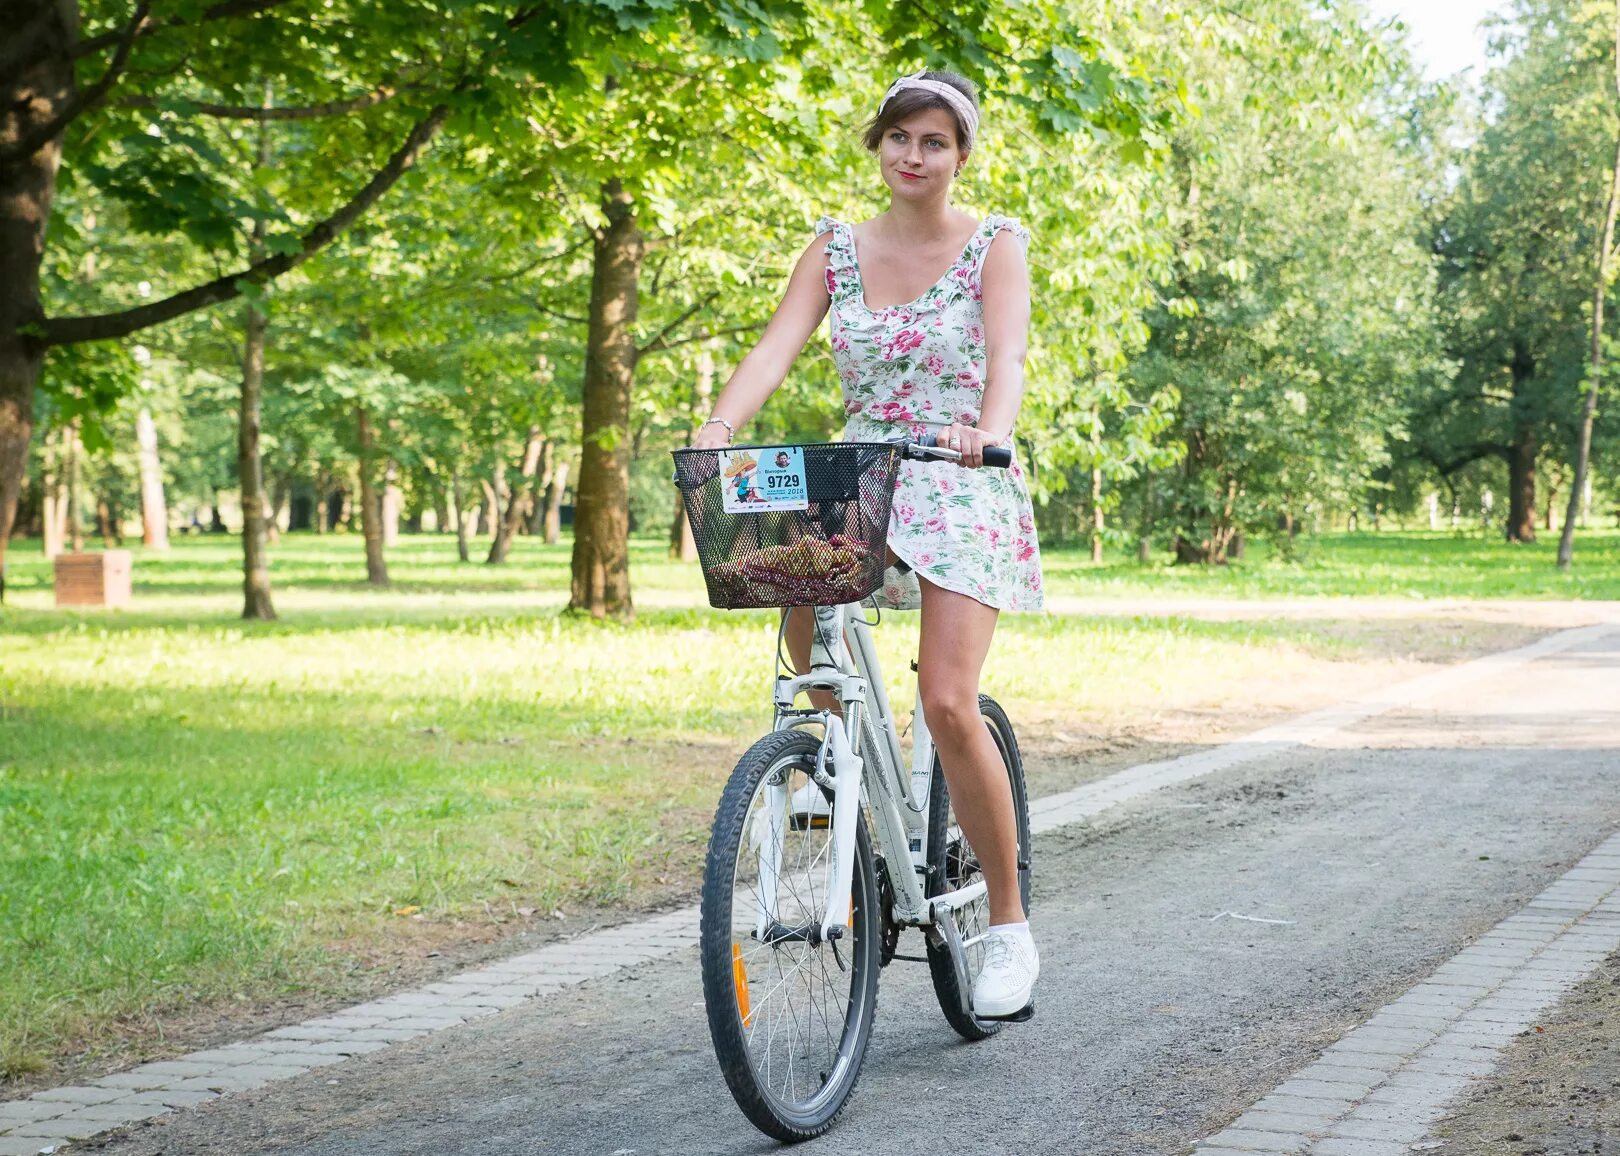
x: 739, y: 979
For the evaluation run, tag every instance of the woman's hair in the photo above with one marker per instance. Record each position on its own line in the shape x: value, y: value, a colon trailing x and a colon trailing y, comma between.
x: 908, y: 101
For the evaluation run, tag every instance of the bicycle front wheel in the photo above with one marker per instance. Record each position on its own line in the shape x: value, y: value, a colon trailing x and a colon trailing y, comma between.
x: 953, y: 864
x: 789, y: 1012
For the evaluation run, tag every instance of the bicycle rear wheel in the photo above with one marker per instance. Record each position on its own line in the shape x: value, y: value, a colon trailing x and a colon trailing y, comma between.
x: 790, y: 1014
x: 952, y: 865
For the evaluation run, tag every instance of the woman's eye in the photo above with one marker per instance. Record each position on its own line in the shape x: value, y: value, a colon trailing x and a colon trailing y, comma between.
x: 936, y: 144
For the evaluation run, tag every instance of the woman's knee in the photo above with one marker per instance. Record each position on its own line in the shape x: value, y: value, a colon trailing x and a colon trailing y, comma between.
x: 950, y: 710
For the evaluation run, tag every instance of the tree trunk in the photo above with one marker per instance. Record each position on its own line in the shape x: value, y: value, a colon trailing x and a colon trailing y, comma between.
x: 280, y: 502
x: 1096, y: 515
x: 441, y: 509
x: 31, y: 94
x: 75, y: 517
x: 53, y: 499
x: 1600, y: 291
x: 255, y: 552
x: 554, y: 497
x: 542, y: 487
x: 488, y: 512
x: 1521, y: 523
x: 154, y: 510
x: 601, y: 559
x: 393, y: 500
x: 104, y: 522
x: 370, y: 502
x: 458, y: 503
x: 249, y: 462
x: 521, y: 498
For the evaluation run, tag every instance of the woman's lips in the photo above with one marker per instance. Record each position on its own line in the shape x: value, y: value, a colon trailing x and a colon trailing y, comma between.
x: 912, y: 176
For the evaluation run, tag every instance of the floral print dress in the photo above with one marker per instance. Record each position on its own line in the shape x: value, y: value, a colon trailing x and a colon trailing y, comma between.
x: 916, y: 368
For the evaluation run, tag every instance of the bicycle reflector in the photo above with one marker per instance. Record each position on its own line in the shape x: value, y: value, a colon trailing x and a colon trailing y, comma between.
x: 739, y: 978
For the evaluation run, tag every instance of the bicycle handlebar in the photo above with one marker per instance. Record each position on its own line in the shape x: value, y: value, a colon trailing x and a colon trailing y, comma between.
x: 997, y: 457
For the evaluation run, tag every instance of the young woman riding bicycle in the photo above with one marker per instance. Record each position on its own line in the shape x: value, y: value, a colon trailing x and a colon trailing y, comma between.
x: 929, y: 322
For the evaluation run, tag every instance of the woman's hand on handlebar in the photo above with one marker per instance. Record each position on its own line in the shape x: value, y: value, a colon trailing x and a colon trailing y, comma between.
x: 971, y: 441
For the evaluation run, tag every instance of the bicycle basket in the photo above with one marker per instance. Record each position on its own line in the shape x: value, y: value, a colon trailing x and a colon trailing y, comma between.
x: 827, y: 554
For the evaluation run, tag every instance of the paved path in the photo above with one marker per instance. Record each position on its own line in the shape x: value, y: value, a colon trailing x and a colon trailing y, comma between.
x: 1383, y: 847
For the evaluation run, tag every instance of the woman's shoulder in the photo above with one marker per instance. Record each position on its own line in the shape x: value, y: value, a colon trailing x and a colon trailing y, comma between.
x: 996, y: 223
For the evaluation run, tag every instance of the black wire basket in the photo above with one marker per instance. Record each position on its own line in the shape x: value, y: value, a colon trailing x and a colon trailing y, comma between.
x: 830, y: 553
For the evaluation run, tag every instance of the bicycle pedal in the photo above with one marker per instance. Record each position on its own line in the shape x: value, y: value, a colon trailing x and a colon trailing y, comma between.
x: 1021, y: 1016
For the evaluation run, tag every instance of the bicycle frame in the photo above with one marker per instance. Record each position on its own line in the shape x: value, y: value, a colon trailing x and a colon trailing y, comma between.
x: 861, y: 760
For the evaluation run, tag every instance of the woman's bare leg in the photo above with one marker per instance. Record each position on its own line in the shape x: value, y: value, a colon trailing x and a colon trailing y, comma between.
x: 801, y: 625
x: 956, y: 634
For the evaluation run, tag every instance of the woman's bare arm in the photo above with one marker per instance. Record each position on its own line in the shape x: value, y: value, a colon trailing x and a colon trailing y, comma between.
x: 1006, y: 332
x: 760, y: 373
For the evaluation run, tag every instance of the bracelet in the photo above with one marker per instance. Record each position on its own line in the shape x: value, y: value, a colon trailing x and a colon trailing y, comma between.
x: 731, y: 431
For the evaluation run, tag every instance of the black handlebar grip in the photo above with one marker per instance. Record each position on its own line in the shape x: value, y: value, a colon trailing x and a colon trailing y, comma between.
x: 996, y: 457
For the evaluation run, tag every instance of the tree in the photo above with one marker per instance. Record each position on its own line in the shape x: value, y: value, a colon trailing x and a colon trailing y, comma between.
x: 397, y: 72
x: 1516, y: 237
x: 1291, y: 352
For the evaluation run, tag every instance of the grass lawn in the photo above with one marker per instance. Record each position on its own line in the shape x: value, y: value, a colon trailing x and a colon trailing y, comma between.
x: 197, y: 812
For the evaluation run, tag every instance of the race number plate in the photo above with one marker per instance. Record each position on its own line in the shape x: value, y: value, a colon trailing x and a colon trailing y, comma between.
x: 761, y: 479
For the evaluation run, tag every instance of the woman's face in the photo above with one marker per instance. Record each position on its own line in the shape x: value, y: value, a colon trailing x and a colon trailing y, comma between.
x: 919, y: 155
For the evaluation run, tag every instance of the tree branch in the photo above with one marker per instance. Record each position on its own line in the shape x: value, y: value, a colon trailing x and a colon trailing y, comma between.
x: 105, y: 326
x: 568, y: 317
x: 661, y: 339
x: 295, y: 112
x: 82, y: 100
x: 143, y: 27
x: 754, y: 328
x: 1473, y: 453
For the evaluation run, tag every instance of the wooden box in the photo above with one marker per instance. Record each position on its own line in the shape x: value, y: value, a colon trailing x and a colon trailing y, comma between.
x: 100, y: 579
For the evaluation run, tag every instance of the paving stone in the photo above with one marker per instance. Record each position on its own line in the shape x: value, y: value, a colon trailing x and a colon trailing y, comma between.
x: 430, y: 1023
x: 387, y: 1035
x: 1304, y: 1105
x: 111, y: 1115
x: 77, y: 1094
x: 18, y: 1111
x: 173, y: 1069
x: 300, y: 1032
x: 137, y: 1079
x: 1329, y: 1072
x: 1481, y: 1065
x: 160, y: 1101
x: 1355, y: 1127
x: 1249, y: 1141
x: 1287, y: 1123
x: 20, y: 1145
x: 1324, y: 1090
x: 1351, y: 1146
x: 55, y: 1131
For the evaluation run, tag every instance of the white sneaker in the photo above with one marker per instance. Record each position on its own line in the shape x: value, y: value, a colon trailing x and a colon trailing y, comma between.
x: 808, y: 807
x: 1007, y: 978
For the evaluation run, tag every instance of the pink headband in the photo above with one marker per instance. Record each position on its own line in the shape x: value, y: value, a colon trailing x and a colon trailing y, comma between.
x: 960, y: 104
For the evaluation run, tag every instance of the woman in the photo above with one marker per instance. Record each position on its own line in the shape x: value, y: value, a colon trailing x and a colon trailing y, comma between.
x: 929, y: 323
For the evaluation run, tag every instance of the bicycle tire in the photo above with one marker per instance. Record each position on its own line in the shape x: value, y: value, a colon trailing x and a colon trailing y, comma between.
x: 727, y: 923
x: 951, y: 865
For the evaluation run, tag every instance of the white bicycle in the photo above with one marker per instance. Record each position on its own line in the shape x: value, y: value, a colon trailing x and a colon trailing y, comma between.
x: 826, y: 845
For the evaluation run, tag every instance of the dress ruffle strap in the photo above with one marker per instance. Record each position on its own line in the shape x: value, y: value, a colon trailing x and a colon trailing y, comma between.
x: 994, y: 224
x: 840, y: 246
